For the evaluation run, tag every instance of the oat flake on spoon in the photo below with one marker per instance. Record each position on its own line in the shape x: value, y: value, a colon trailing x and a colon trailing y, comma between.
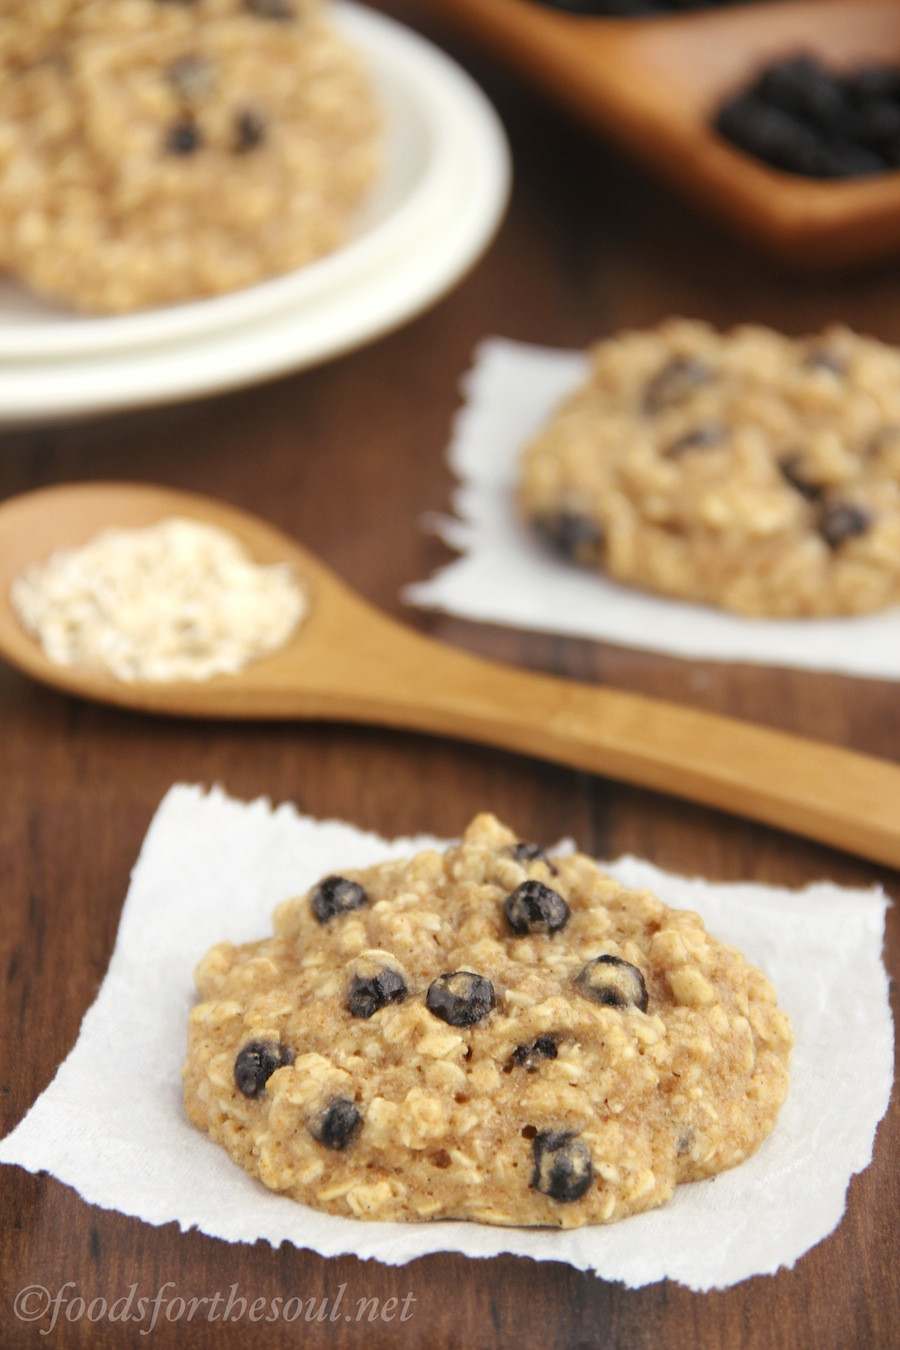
x: 179, y: 600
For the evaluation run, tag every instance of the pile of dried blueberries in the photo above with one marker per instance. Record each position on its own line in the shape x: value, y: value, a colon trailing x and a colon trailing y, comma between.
x: 805, y: 119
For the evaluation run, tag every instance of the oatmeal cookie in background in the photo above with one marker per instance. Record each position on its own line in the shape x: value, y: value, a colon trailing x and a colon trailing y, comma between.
x: 746, y: 470
x: 164, y: 151
x: 489, y: 1034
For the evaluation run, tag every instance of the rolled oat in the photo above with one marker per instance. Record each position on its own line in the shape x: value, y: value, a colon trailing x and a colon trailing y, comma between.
x: 179, y: 600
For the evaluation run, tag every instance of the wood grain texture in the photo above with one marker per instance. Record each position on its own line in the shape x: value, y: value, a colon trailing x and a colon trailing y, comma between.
x: 347, y: 459
x: 391, y: 676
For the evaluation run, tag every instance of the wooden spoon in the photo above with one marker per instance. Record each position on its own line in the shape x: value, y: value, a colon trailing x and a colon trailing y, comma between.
x: 654, y: 84
x: 348, y: 662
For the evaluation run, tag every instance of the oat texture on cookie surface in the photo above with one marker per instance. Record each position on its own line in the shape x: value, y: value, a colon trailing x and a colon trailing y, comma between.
x: 489, y: 1034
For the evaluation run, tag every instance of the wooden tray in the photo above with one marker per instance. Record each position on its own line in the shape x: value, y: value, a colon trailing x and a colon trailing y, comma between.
x: 652, y: 84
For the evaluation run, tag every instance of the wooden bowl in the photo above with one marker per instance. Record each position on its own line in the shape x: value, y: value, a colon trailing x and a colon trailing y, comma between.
x: 654, y: 84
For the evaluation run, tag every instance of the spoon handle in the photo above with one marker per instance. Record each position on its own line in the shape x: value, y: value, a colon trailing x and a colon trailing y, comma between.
x: 839, y: 797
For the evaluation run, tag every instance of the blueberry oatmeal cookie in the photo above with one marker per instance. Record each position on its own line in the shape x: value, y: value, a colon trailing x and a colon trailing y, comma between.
x: 488, y: 1034
x: 153, y: 151
x: 745, y: 470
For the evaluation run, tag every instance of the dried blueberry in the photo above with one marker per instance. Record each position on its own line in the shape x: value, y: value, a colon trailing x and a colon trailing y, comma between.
x: 791, y: 467
x: 878, y: 123
x: 804, y: 118
x: 535, y: 908
x: 367, y: 996
x: 802, y: 86
x: 256, y: 1063
x: 821, y: 359
x: 613, y: 982
x: 842, y: 520
x: 855, y: 161
x: 685, y: 1142
x: 460, y: 998
x: 704, y: 437
x: 336, y: 895
x: 562, y: 1165
x: 677, y: 380
x: 526, y: 853
x: 183, y: 138
x: 873, y: 83
x: 249, y: 130
x: 774, y: 136
x: 526, y: 1056
x: 337, y: 1124
x: 571, y: 535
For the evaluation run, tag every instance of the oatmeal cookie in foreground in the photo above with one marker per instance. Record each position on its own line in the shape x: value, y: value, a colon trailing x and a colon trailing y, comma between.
x: 745, y: 470
x: 488, y: 1034
x: 156, y: 152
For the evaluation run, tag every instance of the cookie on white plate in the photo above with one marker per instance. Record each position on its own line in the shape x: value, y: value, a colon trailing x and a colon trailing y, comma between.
x: 156, y: 152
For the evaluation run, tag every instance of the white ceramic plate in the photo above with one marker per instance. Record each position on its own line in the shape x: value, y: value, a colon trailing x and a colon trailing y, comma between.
x: 442, y: 194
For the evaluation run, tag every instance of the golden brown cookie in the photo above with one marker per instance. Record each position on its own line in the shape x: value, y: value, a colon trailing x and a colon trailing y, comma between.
x: 745, y: 470
x: 488, y: 1034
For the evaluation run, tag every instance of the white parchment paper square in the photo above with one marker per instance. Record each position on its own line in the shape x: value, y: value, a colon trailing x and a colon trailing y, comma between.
x: 504, y: 576
x: 211, y: 868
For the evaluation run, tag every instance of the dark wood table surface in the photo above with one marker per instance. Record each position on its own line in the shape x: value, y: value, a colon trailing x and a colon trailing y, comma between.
x: 349, y: 457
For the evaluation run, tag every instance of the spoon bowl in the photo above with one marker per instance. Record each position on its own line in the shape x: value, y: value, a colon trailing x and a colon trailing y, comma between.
x: 348, y: 662
x: 284, y: 684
